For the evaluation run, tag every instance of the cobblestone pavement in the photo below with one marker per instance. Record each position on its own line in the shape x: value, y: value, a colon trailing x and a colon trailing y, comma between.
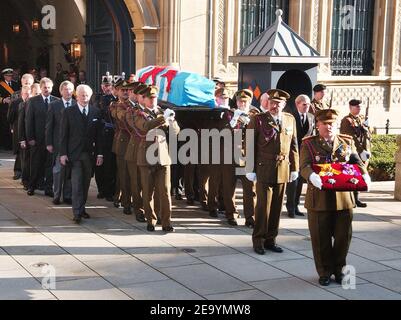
x: 111, y: 256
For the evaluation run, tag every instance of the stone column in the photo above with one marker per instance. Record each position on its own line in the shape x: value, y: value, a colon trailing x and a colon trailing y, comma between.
x: 169, y: 36
x: 146, y: 46
x: 397, y: 192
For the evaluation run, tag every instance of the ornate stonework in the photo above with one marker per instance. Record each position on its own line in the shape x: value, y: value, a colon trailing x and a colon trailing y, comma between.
x: 315, y: 24
x: 378, y: 95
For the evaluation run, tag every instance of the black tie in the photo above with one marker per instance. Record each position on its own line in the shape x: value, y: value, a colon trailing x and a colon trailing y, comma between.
x: 67, y: 104
x: 46, y: 102
x: 84, y: 112
x: 303, y: 120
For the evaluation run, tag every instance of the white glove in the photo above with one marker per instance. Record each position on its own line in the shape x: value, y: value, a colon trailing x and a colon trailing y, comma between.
x: 294, y: 176
x: 366, y: 123
x: 365, y: 156
x: 251, y: 177
x: 245, y: 119
x: 238, y: 113
x: 169, y: 114
x: 367, y: 179
x: 314, y: 178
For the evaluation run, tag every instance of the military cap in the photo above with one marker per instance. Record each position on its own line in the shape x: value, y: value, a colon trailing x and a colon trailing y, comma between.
x: 355, y: 102
x: 140, y: 89
x: 107, y: 79
x: 134, y: 85
x: 118, y: 83
x: 244, y: 94
x: 319, y: 87
x: 221, y: 92
x: 327, y: 115
x: 151, y: 92
x: 278, y: 95
x: 7, y: 72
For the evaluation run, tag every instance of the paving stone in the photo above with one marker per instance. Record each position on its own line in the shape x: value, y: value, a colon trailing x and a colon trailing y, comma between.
x: 124, y: 271
x: 245, y: 268
x: 164, y: 257
x: 366, y: 291
x: 88, y: 289
x: 160, y: 290
x: 66, y: 266
x: 372, y: 251
x: 395, y: 264
x: 294, y: 289
x: 388, y: 279
x: 18, y: 284
x: 204, y: 279
x: 240, y: 296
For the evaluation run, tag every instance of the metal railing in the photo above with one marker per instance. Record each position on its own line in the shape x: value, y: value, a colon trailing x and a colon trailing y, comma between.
x: 258, y: 15
x: 352, y: 37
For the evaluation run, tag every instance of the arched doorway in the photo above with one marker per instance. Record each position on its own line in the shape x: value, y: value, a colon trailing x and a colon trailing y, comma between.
x: 109, y: 39
x: 295, y: 82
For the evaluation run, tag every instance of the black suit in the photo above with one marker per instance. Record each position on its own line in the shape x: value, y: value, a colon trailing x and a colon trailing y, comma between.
x: 105, y: 175
x: 81, y: 141
x: 25, y: 153
x: 61, y: 175
x: 294, y: 189
x: 12, y: 118
x: 41, y: 159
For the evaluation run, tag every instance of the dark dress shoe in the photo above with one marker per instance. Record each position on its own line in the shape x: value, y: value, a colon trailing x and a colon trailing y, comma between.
x: 85, y: 215
x: 30, y: 192
x: 298, y: 213
x: 140, y: 217
x: 67, y: 201
x: 77, y: 220
x: 17, y: 176
x: 250, y: 223
x: 168, y: 229
x: 150, y: 228
x: 339, y: 278
x: 360, y: 204
x: 213, y: 213
x: 116, y: 204
x: 56, y: 202
x: 159, y: 221
x: 178, y: 197
x: 127, y: 211
x: 259, y: 250
x: 274, y: 248
x: 49, y: 193
x: 291, y: 214
x: 204, y: 206
x: 190, y: 202
x: 100, y: 195
x: 232, y: 222
x: 324, y: 281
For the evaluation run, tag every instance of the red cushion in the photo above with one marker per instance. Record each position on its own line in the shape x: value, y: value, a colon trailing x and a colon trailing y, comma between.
x: 339, y: 177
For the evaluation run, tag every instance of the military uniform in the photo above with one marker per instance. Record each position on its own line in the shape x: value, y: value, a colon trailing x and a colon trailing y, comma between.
x: 155, y: 178
x: 355, y: 127
x: 318, y: 105
x: 6, y: 91
x: 119, y: 111
x: 132, y: 154
x: 329, y: 212
x: 276, y: 156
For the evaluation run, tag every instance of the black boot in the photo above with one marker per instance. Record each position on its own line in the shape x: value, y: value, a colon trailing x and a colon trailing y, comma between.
x: 359, y: 203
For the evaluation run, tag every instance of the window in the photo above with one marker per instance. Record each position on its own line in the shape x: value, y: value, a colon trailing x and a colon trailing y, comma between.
x: 351, y: 49
x: 258, y: 15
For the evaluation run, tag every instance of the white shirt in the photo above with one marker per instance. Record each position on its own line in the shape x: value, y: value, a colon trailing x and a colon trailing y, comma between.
x: 300, y: 117
x: 65, y: 102
x: 44, y: 99
x: 82, y: 108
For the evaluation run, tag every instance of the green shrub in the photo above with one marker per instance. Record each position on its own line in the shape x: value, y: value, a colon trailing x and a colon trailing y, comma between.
x: 382, y: 163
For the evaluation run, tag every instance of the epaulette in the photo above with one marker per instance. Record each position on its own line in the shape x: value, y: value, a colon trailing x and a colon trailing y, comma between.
x: 289, y: 114
x: 309, y: 138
